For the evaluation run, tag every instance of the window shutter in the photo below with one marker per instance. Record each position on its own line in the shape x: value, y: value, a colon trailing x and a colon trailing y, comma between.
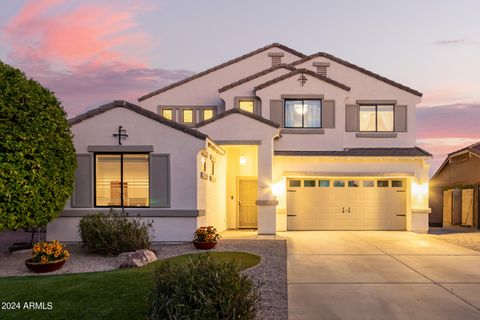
x: 401, y: 118
x: 328, y: 114
x: 276, y: 111
x: 351, y: 118
x: 159, y: 181
x: 82, y: 196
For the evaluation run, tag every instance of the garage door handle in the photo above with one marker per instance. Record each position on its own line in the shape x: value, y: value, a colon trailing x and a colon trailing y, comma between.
x: 400, y: 190
x: 343, y: 210
x: 401, y: 215
x: 348, y: 209
x: 291, y: 190
x: 291, y: 215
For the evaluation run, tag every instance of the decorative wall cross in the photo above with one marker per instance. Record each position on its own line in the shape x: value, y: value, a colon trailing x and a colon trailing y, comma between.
x: 122, y: 133
x: 302, y: 79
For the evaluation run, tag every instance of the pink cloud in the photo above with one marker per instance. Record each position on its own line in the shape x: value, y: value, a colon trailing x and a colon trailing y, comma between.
x: 83, y: 51
x: 444, y: 129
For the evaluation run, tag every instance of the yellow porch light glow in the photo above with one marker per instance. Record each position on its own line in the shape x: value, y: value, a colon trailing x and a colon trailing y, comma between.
x: 419, y: 195
x: 243, y: 160
x: 278, y: 189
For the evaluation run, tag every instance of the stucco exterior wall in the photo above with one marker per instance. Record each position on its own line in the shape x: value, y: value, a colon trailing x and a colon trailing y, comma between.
x: 246, y: 89
x: 65, y: 229
x: 332, y: 139
x: 364, y: 87
x: 204, y: 90
x: 183, y: 148
x: 212, y: 190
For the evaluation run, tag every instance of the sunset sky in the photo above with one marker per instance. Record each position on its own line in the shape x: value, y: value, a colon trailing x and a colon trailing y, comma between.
x: 91, y: 52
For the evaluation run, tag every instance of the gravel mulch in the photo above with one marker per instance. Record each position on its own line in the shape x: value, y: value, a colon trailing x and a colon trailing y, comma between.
x: 272, y: 270
x: 460, y: 236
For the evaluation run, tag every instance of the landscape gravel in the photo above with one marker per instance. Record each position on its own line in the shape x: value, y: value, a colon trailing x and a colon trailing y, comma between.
x: 271, y: 272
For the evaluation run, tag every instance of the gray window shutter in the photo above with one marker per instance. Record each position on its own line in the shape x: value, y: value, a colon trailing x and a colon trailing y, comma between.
x: 401, y: 118
x: 276, y: 111
x: 82, y: 196
x: 159, y: 181
x: 351, y: 118
x: 328, y: 114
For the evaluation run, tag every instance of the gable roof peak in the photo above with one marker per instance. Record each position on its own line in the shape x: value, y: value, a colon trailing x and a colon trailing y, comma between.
x: 135, y: 108
x: 302, y: 70
x: 358, y: 68
x: 220, y: 66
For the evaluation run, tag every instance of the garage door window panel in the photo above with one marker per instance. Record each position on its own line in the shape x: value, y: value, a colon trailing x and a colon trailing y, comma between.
x: 368, y: 183
x: 353, y: 183
x: 338, y: 184
x: 294, y: 183
x: 309, y: 183
x: 382, y: 183
x: 397, y: 184
x: 324, y: 183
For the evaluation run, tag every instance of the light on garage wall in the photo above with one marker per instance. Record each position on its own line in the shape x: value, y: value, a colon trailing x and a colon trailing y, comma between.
x: 243, y: 160
x: 278, y: 189
x: 419, y: 195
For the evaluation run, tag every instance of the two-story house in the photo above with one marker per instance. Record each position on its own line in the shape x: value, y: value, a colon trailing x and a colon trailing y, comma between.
x: 274, y: 140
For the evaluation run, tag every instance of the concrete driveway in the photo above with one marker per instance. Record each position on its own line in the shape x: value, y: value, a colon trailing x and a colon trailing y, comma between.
x: 380, y: 275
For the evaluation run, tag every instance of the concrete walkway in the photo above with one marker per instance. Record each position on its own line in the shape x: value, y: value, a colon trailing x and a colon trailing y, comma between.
x: 380, y: 275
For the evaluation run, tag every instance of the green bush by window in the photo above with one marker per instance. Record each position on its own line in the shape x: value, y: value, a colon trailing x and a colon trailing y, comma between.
x: 37, y: 157
x: 202, y: 289
x: 113, y: 233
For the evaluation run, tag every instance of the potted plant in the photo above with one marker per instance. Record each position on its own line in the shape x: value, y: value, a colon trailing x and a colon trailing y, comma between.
x: 47, y: 257
x: 205, y: 238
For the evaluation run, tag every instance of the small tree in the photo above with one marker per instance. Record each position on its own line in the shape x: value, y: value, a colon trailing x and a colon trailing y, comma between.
x: 37, y: 157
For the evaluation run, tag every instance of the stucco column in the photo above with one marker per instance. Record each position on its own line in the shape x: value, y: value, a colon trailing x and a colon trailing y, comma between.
x: 417, y: 218
x: 266, y: 202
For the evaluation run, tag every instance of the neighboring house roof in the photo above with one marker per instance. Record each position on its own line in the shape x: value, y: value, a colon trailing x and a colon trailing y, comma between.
x: 297, y: 71
x: 256, y: 75
x: 146, y: 113
x: 360, y: 69
x: 473, y: 148
x: 220, y: 66
x: 239, y: 111
x: 360, y: 152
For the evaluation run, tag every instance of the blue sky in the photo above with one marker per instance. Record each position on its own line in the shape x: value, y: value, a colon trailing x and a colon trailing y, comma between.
x: 90, y: 52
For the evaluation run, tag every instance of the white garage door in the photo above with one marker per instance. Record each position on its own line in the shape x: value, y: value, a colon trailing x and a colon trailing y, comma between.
x: 346, y: 204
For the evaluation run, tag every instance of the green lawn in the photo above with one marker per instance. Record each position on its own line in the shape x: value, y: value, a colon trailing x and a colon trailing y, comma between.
x: 118, y: 294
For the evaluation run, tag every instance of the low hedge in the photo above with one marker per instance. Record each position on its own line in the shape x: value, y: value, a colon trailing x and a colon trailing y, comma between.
x: 202, y: 289
x: 113, y: 233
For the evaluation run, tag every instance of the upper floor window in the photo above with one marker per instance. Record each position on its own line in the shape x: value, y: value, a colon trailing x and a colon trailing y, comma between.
x: 122, y: 180
x: 187, y: 115
x: 303, y: 113
x: 377, y: 118
x: 207, y: 114
x: 167, y: 113
x: 246, y: 105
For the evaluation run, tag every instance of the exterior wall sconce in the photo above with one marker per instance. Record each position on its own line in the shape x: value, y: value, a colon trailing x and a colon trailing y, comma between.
x: 243, y: 160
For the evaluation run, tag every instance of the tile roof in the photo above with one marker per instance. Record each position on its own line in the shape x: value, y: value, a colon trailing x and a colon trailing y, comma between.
x: 360, y: 69
x: 220, y: 66
x: 307, y: 71
x: 256, y: 75
x: 144, y: 112
x: 242, y: 112
x: 359, y: 152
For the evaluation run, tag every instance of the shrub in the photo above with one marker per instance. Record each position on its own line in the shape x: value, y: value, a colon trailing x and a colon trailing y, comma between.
x: 206, y: 234
x: 113, y: 233
x: 202, y: 289
x: 37, y: 157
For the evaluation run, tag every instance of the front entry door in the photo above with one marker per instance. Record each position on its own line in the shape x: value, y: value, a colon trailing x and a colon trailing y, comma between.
x: 247, y: 208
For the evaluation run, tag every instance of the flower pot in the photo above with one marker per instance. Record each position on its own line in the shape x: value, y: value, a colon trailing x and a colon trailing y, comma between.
x: 204, y: 245
x: 45, y: 267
